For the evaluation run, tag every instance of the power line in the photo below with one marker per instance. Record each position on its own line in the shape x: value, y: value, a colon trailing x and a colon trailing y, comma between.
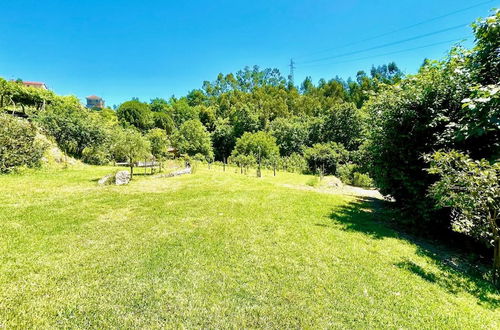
x: 385, y: 54
x: 403, y: 28
x: 386, y: 45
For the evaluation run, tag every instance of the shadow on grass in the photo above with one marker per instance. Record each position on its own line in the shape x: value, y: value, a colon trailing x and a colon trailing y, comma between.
x: 453, y: 272
x: 361, y: 215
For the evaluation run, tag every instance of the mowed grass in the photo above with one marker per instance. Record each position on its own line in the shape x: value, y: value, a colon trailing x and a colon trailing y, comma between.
x: 216, y: 250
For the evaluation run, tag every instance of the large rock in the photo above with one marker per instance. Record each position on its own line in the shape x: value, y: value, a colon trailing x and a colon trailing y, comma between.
x: 108, y: 179
x: 186, y: 170
x: 122, y: 177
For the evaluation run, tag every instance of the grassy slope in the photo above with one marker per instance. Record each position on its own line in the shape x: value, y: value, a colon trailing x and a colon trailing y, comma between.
x: 214, y: 249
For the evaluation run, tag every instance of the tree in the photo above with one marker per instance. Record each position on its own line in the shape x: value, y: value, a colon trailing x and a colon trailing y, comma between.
x: 485, y: 59
x: 472, y: 189
x: 245, y: 119
x: 159, y: 105
x: 307, y: 86
x: 342, y: 124
x: 406, y: 122
x: 388, y: 74
x: 159, y: 143
x: 135, y: 113
x: 182, y: 111
x: 131, y: 145
x: 292, y: 135
x: 325, y: 158
x: 193, y: 138
x: 164, y: 121
x: 207, y: 117
x: 442, y: 107
x: 196, y: 97
x: 260, y: 145
x: 223, y: 139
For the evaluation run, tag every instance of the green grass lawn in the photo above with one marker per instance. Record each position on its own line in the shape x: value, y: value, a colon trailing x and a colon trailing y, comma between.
x: 220, y: 250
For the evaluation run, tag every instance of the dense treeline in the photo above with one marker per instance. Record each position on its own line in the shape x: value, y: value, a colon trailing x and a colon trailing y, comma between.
x: 382, y: 126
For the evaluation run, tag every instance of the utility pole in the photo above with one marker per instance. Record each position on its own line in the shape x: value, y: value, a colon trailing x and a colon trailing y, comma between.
x: 292, y: 72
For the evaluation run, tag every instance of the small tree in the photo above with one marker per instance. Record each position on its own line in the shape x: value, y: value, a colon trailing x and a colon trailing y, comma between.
x: 257, y: 146
x: 193, y: 138
x: 159, y: 143
x: 129, y: 144
x: 472, y: 189
x: 223, y: 139
x: 325, y: 158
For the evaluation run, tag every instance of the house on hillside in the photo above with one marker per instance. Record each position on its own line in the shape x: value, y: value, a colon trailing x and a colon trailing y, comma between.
x: 35, y: 84
x: 95, y: 102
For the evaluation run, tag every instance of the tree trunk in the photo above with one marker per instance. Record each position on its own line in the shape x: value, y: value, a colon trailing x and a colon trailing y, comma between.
x: 131, y: 171
x: 496, y: 262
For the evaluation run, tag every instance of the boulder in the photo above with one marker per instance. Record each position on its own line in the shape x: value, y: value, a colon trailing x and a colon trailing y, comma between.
x: 333, y: 182
x: 187, y: 170
x: 108, y: 179
x: 122, y: 177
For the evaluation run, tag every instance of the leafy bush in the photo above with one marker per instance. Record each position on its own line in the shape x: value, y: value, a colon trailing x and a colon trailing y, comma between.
x: 259, y: 144
x: 350, y: 174
x: 439, y: 108
x: 223, y: 138
x: 472, y: 189
x: 243, y: 161
x: 362, y: 180
x: 74, y: 128
x: 294, y: 163
x: 345, y: 173
x: 325, y: 158
x: 291, y: 134
x: 193, y: 138
x: 96, y: 155
x: 19, y: 145
x: 342, y: 124
x: 159, y: 143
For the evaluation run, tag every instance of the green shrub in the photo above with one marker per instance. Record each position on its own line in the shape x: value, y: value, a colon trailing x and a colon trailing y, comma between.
x: 260, y: 144
x: 345, y: 173
x: 325, y: 158
x: 74, y: 128
x: 313, y: 181
x: 362, y: 180
x: 96, y: 156
x: 193, y: 138
x: 19, y: 145
x: 294, y: 163
x: 350, y: 174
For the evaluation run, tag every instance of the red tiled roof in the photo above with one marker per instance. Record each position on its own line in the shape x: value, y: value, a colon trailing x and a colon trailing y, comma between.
x: 33, y: 83
x: 93, y: 97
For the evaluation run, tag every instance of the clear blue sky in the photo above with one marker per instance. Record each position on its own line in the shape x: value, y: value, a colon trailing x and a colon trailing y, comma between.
x: 124, y: 49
